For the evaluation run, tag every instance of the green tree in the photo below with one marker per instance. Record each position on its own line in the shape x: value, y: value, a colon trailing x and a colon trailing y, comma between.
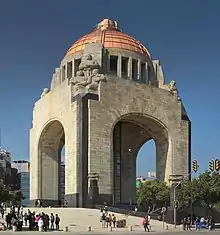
x: 154, y: 194
x: 16, y: 196
x: 202, y: 191
x: 4, y: 192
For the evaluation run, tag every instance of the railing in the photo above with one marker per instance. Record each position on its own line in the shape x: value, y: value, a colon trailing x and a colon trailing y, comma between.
x: 130, y: 212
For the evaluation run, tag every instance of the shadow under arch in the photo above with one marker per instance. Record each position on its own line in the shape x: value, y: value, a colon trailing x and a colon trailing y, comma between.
x: 129, y: 134
x: 50, y: 144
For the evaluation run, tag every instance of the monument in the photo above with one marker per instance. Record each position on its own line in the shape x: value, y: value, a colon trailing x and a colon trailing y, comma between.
x: 107, y: 98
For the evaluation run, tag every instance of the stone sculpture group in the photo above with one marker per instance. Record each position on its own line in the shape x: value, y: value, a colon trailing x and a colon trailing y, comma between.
x: 88, y: 76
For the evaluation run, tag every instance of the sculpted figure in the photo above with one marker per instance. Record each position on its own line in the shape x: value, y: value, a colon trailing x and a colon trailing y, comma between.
x: 95, y: 79
x: 79, y: 80
x: 87, y: 64
x: 88, y: 75
x: 172, y: 86
x: 45, y: 91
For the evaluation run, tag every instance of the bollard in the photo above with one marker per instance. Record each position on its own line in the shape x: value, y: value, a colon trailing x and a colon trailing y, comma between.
x: 167, y: 227
x: 66, y: 229
x: 40, y: 229
x: 89, y: 228
x: 14, y: 228
x: 110, y: 228
x: 130, y: 228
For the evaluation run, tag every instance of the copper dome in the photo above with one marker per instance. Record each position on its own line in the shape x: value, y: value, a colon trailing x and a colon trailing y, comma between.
x: 108, y: 33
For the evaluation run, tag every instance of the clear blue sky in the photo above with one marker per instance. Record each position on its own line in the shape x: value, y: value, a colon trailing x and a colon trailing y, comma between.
x: 183, y: 34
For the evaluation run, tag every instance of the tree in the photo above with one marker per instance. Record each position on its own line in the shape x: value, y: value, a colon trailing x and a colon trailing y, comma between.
x: 155, y: 194
x: 16, y: 197
x: 4, y: 192
x: 203, y: 191
x: 9, y: 196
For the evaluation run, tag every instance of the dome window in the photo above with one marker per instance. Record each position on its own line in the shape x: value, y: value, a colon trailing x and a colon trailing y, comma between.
x: 113, y: 64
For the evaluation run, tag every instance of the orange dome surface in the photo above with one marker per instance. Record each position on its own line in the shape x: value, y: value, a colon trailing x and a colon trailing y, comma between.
x: 108, y: 33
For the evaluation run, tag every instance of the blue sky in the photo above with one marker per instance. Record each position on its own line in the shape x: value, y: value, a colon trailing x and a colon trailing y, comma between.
x: 184, y: 35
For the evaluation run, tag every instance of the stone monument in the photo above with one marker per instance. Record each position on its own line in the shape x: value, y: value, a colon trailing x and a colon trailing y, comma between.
x: 107, y: 98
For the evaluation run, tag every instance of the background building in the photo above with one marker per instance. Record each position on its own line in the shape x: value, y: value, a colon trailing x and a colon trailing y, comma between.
x: 21, y: 166
x: 141, y: 179
x: 23, y: 177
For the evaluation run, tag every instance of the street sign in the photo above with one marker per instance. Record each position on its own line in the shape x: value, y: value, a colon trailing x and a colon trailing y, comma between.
x: 164, y: 209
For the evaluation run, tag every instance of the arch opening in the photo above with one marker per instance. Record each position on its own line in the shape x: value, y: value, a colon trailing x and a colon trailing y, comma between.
x: 129, y: 134
x: 146, y: 160
x: 50, y: 150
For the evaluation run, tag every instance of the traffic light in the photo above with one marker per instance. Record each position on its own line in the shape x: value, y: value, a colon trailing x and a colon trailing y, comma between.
x: 217, y: 165
x: 212, y: 165
x: 176, y: 204
x: 195, y: 165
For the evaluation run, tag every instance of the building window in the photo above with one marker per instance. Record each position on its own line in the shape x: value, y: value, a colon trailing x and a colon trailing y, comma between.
x: 76, y: 65
x: 69, y: 69
x: 143, y: 73
x: 134, y: 69
x: 124, y: 67
x: 63, y: 72
x: 113, y: 64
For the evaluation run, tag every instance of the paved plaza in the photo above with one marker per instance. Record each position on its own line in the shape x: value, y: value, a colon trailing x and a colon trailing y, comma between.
x: 79, y: 219
x: 115, y: 232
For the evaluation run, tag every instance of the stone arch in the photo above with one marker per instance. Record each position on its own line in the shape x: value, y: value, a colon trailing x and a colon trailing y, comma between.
x: 50, y: 144
x: 129, y: 133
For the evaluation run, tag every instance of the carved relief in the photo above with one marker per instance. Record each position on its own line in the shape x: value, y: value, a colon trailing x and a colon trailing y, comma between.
x: 171, y: 87
x: 45, y: 91
x: 88, y: 76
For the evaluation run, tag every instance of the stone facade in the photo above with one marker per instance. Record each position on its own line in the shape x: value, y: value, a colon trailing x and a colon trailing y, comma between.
x: 104, y: 119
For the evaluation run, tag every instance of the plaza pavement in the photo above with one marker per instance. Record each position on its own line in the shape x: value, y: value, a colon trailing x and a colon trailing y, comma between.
x: 107, y: 233
x: 79, y: 219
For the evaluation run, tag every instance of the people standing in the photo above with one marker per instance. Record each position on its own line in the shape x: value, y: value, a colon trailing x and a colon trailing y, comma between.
x: 145, y: 223
x: 52, y: 221
x: 2, y: 212
x: 114, y: 220
x: 40, y: 224
x: 188, y: 223
x: 103, y: 219
x: 57, y: 222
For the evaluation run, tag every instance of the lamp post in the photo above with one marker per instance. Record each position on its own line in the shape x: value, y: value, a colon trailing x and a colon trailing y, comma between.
x: 174, y: 197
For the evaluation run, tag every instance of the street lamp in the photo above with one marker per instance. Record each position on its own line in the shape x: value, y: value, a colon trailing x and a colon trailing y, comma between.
x: 174, y: 197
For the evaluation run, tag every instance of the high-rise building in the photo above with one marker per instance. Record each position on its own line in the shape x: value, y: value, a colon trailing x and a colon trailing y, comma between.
x: 24, y: 179
x: 62, y: 182
x: 151, y: 174
x: 21, y: 165
x: 14, y: 182
x: 23, y: 176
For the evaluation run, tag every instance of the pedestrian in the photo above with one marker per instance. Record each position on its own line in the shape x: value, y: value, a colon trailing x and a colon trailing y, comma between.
x: 145, y: 223
x: 57, y: 222
x: 52, y: 221
x: 40, y: 224
x: 2, y: 211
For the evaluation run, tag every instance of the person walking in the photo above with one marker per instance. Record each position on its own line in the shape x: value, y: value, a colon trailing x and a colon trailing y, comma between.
x: 145, y: 223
